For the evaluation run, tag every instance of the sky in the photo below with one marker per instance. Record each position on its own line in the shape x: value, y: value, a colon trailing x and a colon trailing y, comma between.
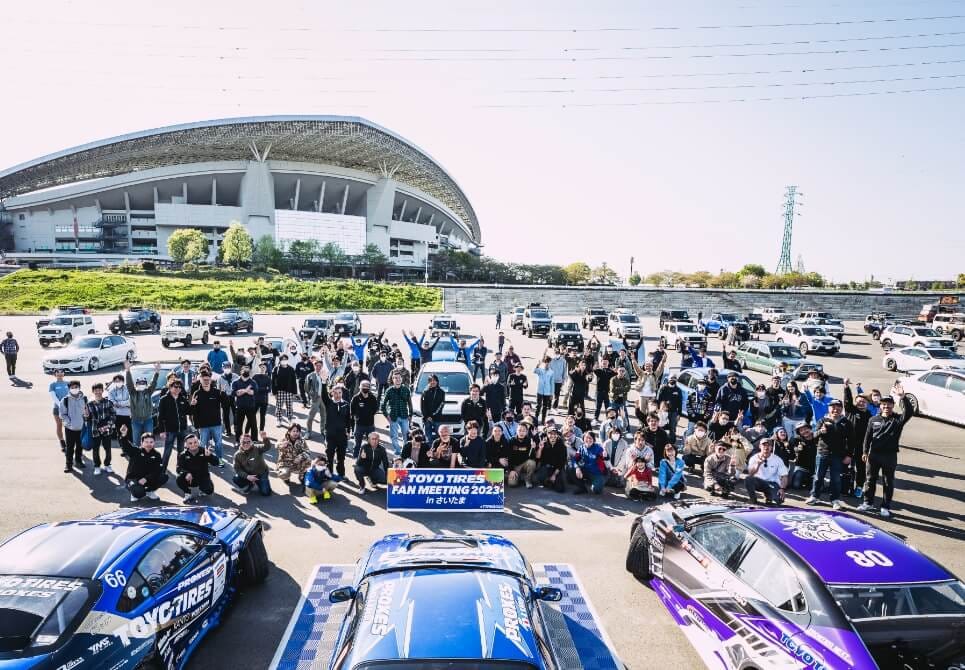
x: 664, y: 130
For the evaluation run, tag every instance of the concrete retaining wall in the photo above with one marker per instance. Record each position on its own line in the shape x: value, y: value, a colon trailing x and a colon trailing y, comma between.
x: 476, y: 299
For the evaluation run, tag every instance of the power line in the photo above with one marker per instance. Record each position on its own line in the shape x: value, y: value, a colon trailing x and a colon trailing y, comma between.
x: 772, y: 44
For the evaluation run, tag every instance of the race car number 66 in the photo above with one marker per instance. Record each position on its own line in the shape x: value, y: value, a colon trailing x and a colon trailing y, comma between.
x: 115, y: 579
x: 869, y: 558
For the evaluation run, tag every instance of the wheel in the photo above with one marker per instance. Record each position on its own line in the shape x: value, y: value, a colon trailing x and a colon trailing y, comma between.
x: 204, y: 337
x: 93, y: 364
x: 212, y: 330
x: 638, y: 555
x: 232, y: 331
x: 919, y: 344
x: 781, y: 340
x: 253, y: 561
x: 876, y: 335
x: 913, y: 401
x: 890, y: 364
x: 803, y: 348
x: 663, y: 341
x: 721, y: 334
x: 130, y: 356
x: 67, y: 338
x: 957, y: 335
x: 165, y: 343
x: 251, y: 327
x: 701, y: 330
x: 187, y: 340
x: 91, y: 331
x: 44, y: 343
x: 886, y: 343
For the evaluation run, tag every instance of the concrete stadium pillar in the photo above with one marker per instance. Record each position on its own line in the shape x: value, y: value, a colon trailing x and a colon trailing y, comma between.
x: 379, y: 203
x: 258, y: 200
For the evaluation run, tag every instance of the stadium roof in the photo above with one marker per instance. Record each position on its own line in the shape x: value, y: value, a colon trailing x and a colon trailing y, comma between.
x: 345, y: 141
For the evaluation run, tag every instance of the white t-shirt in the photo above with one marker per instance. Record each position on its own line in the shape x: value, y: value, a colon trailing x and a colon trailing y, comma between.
x: 770, y: 471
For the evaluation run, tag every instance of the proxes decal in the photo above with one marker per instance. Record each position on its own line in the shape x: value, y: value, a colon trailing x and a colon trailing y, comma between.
x: 383, y: 608
x: 818, y: 527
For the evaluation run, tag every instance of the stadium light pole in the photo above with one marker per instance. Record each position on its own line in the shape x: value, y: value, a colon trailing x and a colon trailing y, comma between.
x: 427, y: 264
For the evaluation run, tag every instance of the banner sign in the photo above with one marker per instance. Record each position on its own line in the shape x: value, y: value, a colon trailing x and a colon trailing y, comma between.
x: 445, y: 490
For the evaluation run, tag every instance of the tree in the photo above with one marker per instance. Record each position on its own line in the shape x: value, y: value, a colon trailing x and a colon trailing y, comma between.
x: 604, y: 275
x: 266, y: 254
x: 752, y: 269
x: 187, y: 245
x: 237, y: 246
x: 635, y: 279
x: 577, y: 273
x: 302, y: 253
x: 961, y: 280
x: 373, y: 256
x: 773, y: 282
x: 700, y: 279
x: 750, y: 281
x: 332, y: 254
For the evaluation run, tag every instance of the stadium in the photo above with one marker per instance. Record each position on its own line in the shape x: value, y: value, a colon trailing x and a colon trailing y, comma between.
x: 333, y: 179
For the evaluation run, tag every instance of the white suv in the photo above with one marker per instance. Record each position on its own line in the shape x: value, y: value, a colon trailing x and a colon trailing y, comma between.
x: 677, y: 334
x: 913, y: 336
x: 624, y: 323
x: 950, y: 325
x: 455, y: 380
x: 808, y: 338
x: 186, y: 330
x: 830, y: 326
x: 65, y: 329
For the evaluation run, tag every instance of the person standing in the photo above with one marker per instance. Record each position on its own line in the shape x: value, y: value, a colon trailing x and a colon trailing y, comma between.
x: 858, y: 415
x: 880, y: 452
x: 432, y: 403
x: 206, y: 412
x: 303, y: 368
x: 172, y: 420
x: 284, y: 385
x: 381, y: 372
x: 216, y: 357
x: 101, y: 415
x: 518, y: 383
x: 545, y: 382
x: 192, y: 468
x: 10, y: 349
x: 474, y: 409
x: 604, y: 375
x: 363, y: 407
x: 245, y: 393
x: 145, y: 472
x: 337, y: 421
x: 313, y: 391
x: 58, y: 390
x: 833, y: 453
x: 117, y: 393
x: 558, y: 366
x: 580, y: 385
x: 142, y: 409
x: 397, y: 408
x: 73, y: 412
x: 499, y: 318
x: 224, y: 384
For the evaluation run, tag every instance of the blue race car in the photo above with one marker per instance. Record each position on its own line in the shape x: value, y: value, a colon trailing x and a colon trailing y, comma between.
x: 757, y: 588
x: 136, y: 588
x: 443, y: 602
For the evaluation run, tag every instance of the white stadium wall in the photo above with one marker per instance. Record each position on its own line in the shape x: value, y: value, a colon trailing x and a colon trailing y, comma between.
x: 348, y: 232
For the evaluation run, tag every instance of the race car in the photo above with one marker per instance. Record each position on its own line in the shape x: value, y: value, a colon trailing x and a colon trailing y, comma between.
x: 443, y: 601
x: 756, y: 588
x: 135, y: 588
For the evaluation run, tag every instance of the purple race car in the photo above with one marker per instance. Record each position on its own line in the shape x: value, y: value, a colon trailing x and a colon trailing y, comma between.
x: 790, y: 588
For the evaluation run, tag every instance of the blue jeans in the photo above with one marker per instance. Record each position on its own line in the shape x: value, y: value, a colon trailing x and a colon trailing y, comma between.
x: 429, y: 427
x: 170, y: 439
x: 212, y: 433
x: 822, y: 464
x: 398, y: 425
x: 138, y: 428
x: 263, y: 485
x: 361, y: 434
x: 621, y: 407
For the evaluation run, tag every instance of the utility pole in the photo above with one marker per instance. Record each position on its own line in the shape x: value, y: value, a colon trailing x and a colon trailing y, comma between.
x: 790, y: 201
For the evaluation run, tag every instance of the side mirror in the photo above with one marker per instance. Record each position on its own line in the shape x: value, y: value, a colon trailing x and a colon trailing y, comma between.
x: 548, y: 593
x: 341, y: 594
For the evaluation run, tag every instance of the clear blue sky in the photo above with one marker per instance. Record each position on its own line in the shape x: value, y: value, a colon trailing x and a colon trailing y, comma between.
x: 530, y: 106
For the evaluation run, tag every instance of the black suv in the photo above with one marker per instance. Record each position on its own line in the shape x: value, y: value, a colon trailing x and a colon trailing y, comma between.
x: 136, y: 320
x: 757, y: 324
x: 671, y: 315
x: 594, y: 318
x: 318, y: 330
x: 565, y: 334
x: 231, y: 321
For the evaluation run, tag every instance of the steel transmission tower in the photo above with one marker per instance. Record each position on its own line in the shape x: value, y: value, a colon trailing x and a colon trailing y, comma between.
x: 790, y: 203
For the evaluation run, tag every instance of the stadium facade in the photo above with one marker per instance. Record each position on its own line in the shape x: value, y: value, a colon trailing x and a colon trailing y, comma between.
x: 326, y: 178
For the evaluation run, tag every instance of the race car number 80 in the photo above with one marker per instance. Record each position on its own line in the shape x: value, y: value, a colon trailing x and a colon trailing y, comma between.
x: 115, y: 579
x: 869, y: 558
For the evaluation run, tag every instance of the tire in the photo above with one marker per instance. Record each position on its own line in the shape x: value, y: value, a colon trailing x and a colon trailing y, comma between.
x: 663, y: 341
x: 638, y: 555
x: 93, y: 364
x: 204, y: 337
x: 165, y: 343
x: 919, y: 344
x: 891, y: 365
x: 130, y: 356
x: 876, y: 335
x: 957, y: 335
x: 212, y: 330
x: 886, y: 344
x: 803, y: 348
x: 67, y: 339
x: 187, y: 340
x: 914, y: 404
x: 781, y: 340
x: 232, y: 331
x: 251, y: 327
x: 253, y: 561
x: 91, y: 331
x: 44, y: 343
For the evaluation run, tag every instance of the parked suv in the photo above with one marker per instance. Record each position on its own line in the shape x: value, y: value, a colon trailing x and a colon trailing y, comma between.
x: 950, y: 325
x: 832, y: 327
x: 624, y: 323
x: 566, y: 334
x: 455, y: 380
x: 136, y: 320
x: 186, y: 330
x: 231, y: 320
x: 64, y: 329
x: 516, y: 320
x: 594, y: 318
x: 757, y: 323
x: 678, y: 315
x: 348, y: 323
x: 914, y: 336
x: 771, y: 314
x: 536, y: 320
x: 808, y: 338
x: 679, y: 335
x: 317, y: 329
x: 62, y: 310
x: 443, y: 325
x: 813, y: 314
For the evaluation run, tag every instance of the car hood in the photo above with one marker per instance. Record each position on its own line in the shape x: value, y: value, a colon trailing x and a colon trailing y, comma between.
x: 70, y: 351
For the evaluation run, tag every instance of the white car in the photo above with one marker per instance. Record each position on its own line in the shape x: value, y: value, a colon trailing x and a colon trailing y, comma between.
x: 186, y: 330
x: 771, y: 314
x: 91, y: 353
x: 624, y: 323
x: 443, y: 325
x: 915, y: 359
x: 808, y: 339
x: 455, y: 380
x: 939, y: 394
x: 913, y: 336
x: 65, y: 329
x: 347, y: 323
x: 832, y: 327
x: 678, y: 335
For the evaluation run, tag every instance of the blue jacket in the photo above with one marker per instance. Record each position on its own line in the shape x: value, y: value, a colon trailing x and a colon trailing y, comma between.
x: 217, y: 358
x: 414, y: 351
x: 820, y: 407
x: 360, y: 348
x: 592, y: 458
x: 464, y: 351
x: 670, y: 474
x: 315, y: 479
x: 696, y: 361
x: 558, y: 366
x: 546, y: 383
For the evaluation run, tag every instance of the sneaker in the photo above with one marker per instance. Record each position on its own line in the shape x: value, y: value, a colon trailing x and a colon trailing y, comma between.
x: 187, y: 498
x: 361, y: 489
x: 152, y: 495
x: 865, y: 507
x: 133, y: 499
x: 858, y: 492
x: 97, y: 470
x: 885, y: 512
x: 676, y: 496
x: 68, y: 469
x: 108, y: 469
x: 836, y: 504
x: 221, y: 464
x: 312, y: 498
x: 326, y: 495
x: 529, y: 485
x: 811, y: 501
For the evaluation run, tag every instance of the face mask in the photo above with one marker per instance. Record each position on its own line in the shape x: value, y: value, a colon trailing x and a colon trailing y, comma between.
x: 75, y: 392
x: 245, y: 375
x: 663, y: 415
x: 320, y: 468
x: 701, y: 434
x: 701, y: 387
x: 217, y: 348
x: 284, y: 364
x: 355, y: 368
x: 139, y: 387
x: 760, y: 394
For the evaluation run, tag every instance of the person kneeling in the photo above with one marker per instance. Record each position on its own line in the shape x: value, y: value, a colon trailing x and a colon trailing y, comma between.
x: 251, y: 471
x: 639, y: 480
x: 145, y: 471
x: 319, y: 480
x: 719, y: 471
x: 193, y: 468
x: 372, y: 463
x: 766, y: 472
x: 671, y: 474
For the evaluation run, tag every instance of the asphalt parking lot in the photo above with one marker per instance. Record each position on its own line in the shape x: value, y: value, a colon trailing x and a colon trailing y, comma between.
x: 589, y: 532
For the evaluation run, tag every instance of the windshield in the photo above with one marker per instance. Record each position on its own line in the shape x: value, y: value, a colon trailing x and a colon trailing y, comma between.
x: 147, y: 371
x: 131, y: 316
x: 728, y: 317
x: 36, y: 611
x: 227, y: 316
x: 451, y: 382
x: 539, y: 314
x: 945, y: 354
x: 890, y: 600
x: 785, y: 352
x: 345, y: 316
x: 315, y: 323
x: 813, y: 331
x: 629, y: 318
x: 568, y: 327
x: 62, y: 321
x: 679, y: 314
x: 181, y: 322
x: 686, y: 328
x: 926, y: 332
x: 441, y: 324
x: 89, y: 343
x: 597, y: 312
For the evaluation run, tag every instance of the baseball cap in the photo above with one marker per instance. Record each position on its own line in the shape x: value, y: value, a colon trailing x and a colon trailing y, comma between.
x: 836, y: 401
x: 888, y: 399
x: 365, y: 383
x: 801, y: 424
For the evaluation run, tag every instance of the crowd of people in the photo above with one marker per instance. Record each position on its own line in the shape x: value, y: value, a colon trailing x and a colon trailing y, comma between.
x: 785, y: 435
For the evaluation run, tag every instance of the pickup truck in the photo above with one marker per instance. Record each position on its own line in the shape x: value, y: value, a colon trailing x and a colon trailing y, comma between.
x: 719, y: 322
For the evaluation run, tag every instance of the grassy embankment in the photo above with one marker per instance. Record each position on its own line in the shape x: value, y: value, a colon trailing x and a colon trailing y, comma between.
x: 27, y: 291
